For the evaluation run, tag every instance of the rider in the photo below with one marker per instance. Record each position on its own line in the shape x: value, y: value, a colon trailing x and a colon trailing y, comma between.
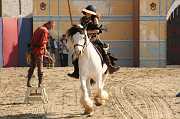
x: 90, y: 21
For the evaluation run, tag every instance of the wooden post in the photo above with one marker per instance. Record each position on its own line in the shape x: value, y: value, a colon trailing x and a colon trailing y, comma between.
x: 20, y: 10
x: 0, y: 8
x: 136, y: 33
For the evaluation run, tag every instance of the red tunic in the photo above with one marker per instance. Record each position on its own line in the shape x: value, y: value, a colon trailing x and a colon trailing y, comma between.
x: 39, y: 41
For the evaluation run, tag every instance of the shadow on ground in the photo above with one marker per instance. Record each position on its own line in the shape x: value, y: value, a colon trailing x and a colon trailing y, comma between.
x: 24, y: 116
x: 37, y: 116
x: 14, y: 103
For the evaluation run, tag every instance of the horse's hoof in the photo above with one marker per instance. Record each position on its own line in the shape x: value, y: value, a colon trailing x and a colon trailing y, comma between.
x: 104, y: 95
x: 89, y: 114
x: 98, y: 104
x: 97, y: 101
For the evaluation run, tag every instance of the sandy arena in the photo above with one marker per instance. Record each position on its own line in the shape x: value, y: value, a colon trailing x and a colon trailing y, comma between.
x: 135, y: 93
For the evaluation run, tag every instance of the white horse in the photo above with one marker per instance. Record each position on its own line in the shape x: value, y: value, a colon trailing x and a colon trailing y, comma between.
x: 90, y: 67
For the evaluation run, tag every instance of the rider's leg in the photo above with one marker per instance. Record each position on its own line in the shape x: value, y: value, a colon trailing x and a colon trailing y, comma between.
x: 107, y: 59
x: 75, y: 74
x: 112, y: 58
x: 111, y: 68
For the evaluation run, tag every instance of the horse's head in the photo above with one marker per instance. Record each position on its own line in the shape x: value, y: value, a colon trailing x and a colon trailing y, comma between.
x: 77, y: 39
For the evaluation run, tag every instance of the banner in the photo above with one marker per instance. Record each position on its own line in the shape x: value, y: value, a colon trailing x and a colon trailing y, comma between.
x: 1, y: 54
x: 10, y: 42
x: 25, y: 31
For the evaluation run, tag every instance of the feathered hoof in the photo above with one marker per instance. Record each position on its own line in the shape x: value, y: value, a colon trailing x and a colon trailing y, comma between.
x: 98, y: 101
x: 101, y: 100
x: 104, y: 95
x: 88, y: 113
x: 88, y: 105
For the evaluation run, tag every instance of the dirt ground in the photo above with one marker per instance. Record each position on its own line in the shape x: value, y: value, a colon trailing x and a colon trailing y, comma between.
x: 135, y: 93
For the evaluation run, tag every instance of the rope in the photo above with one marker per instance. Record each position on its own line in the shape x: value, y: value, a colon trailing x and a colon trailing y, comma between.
x: 69, y: 8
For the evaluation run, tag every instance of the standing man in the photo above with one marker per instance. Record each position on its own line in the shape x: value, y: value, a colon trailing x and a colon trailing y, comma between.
x: 63, y: 51
x: 38, y: 46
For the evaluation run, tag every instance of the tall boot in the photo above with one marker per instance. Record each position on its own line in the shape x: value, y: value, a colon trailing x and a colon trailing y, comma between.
x: 75, y: 74
x: 28, y: 82
x: 111, y: 68
x: 40, y: 78
x: 30, y: 73
x: 112, y: 59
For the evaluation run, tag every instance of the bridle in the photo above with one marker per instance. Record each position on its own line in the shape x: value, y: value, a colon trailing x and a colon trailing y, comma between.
x: 85, y: 42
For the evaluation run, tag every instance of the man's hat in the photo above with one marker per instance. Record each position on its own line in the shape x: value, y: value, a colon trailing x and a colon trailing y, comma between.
x: 90, y: 9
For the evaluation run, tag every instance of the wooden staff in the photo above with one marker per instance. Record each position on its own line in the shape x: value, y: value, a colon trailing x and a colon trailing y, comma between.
x: 69, y: 7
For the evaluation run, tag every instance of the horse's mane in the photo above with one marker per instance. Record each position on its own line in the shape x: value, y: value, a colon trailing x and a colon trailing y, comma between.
x: 74, y: 29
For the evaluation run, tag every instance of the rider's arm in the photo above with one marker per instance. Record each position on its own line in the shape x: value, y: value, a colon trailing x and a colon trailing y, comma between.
x: 96, y: 21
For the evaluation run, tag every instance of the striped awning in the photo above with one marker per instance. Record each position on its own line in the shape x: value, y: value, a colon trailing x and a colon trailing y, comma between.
x: 171, y: 11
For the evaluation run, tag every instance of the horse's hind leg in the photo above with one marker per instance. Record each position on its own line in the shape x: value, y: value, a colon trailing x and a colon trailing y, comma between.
x: 98, y: 90
x: 85, y: 100
x: 104, y: 94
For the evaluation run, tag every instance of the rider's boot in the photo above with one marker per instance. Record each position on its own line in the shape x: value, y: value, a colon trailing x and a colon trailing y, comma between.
x: 111, y: 68
x: 75, y: 74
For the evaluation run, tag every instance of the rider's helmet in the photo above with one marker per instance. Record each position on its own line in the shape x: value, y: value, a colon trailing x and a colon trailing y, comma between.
x: 91, y: 9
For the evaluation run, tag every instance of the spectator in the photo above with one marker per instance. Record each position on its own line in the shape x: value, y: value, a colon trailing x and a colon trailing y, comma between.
x: 63, y: 51
x: 39, y: 51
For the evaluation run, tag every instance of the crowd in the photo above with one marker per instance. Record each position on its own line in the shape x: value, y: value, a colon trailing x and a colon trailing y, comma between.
x: 58, y: 51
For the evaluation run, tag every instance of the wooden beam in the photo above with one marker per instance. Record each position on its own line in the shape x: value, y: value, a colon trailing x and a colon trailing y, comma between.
x: 20, y: 10
x: 0, y: 8
x: 136, y: 33
x: 70, y: 14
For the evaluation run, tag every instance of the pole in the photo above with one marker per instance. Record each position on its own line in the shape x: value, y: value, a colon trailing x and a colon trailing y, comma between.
x: 20, y: 7
x: 136, y: 32
x: 69, y: 8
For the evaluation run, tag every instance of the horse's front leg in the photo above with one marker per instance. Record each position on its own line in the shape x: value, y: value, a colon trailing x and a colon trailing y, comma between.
x: 85, y: 100
x: 88, y: 84
x: 101, y: 95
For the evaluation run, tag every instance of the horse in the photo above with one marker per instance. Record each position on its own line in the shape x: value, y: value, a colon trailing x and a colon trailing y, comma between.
x: 90, y: 67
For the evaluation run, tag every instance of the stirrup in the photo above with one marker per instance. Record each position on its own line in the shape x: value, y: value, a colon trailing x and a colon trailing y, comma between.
x: 36, y: 94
